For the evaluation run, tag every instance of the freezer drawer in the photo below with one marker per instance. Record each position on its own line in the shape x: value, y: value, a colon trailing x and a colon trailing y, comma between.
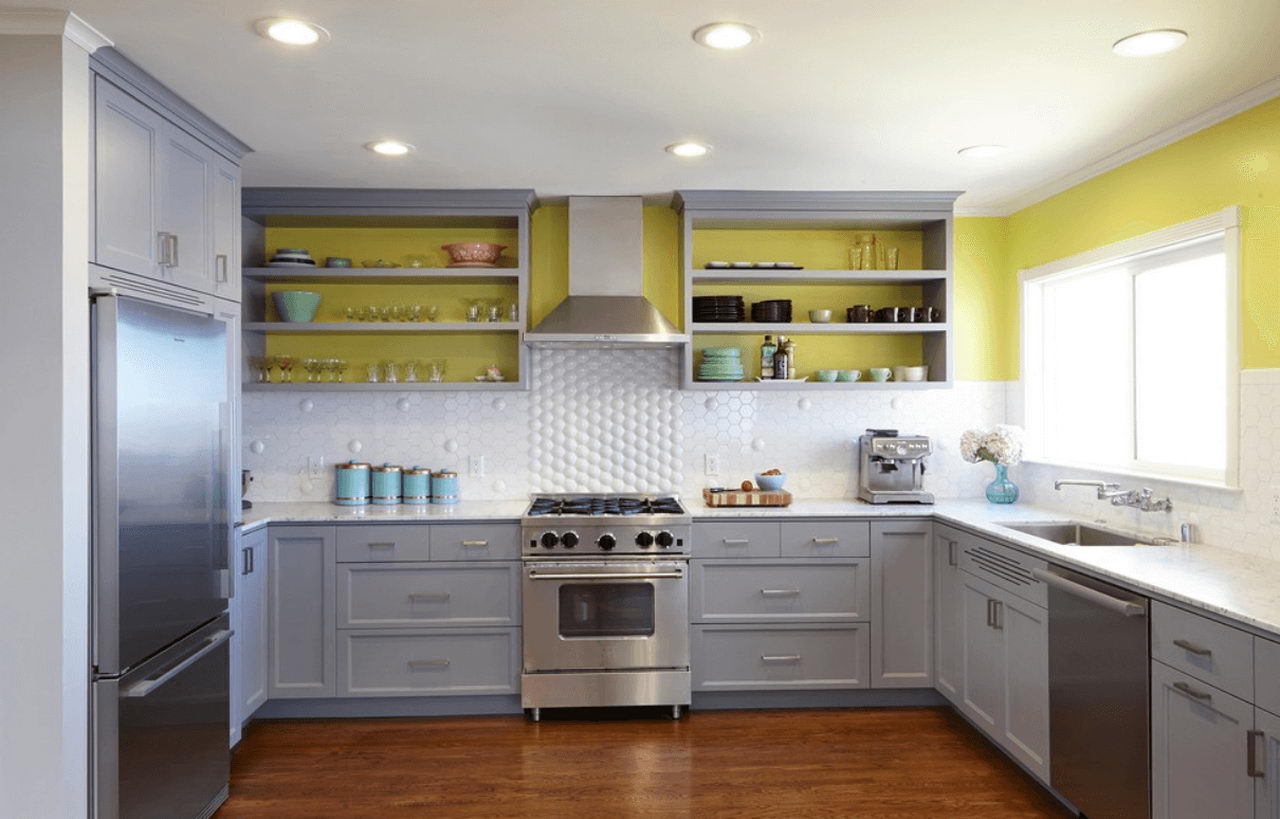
x: 160, y: 732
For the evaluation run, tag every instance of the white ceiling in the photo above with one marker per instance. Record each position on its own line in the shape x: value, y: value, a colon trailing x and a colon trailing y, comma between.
x: 580, y: 96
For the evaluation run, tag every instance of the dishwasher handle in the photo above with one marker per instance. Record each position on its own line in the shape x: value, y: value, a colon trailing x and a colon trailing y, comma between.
x: 1126, y: 607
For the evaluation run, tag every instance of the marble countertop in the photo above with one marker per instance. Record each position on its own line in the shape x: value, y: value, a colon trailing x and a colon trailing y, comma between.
x: 1234, y: 585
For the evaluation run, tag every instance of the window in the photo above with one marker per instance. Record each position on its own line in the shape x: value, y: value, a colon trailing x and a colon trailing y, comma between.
x: 1130, y: 355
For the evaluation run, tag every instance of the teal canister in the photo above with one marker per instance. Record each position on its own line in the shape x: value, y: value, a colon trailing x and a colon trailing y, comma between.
x: 386, y: 485
x: 353, y: 484
x: 444, y: 486
x: 417, y: 485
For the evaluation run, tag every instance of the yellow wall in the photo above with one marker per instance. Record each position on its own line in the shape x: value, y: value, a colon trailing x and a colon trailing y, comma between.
x: 985, y: 306
x: 1236, y: 162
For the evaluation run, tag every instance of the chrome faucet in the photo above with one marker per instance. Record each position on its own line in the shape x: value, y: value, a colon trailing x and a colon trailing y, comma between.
x: 1137, y: 498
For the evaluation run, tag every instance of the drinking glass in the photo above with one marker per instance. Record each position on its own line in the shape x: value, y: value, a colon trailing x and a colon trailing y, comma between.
x: 494, y: 311
x: 513, y: 311
x: 415, y: 313
x: 473, y: 309
x: 435, y: 371
x: 309, y: 367
x: 391, y: 372
x: 411, y: 372
x: 340, y: 367
x: 255, y: 364
x: 352, y: 314
x: 433, y: 312
x: 372, y: 373
x: 890, y: 258
x: 285, y: 363
x: 269, y: 363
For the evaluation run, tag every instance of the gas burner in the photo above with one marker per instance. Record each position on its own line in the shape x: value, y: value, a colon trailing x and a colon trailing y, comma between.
x: 603, y: 506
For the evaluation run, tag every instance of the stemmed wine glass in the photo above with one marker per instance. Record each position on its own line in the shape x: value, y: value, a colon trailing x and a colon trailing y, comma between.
x: 285, y: 363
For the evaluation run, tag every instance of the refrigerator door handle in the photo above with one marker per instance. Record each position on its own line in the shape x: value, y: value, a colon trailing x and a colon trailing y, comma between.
x: 150, y: 684
x: 105, y: 520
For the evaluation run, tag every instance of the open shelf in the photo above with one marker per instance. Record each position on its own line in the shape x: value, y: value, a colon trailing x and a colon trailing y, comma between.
x: 377, y: 328
x: 384, y: 275
x: 811, y: 328
x: 811, y: 386
x: 364, y: 386
x: 751, y: 276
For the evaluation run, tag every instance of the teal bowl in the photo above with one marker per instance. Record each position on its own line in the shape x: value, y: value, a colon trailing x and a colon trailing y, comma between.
x: 296, y: 305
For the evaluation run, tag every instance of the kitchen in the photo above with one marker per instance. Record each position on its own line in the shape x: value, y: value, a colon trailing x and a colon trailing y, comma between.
x: 414, y: 450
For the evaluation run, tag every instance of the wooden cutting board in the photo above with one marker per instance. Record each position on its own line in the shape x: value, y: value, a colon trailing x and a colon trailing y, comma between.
x: 756, y: 497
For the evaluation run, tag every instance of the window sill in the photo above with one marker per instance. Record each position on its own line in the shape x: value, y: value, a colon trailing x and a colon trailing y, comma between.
x: 1106, y: 472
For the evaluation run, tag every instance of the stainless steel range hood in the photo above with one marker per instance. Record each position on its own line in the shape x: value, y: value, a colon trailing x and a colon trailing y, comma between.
x: 606, y: 306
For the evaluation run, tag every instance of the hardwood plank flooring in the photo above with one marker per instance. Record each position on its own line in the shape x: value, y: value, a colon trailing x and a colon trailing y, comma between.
x: 872, y: 762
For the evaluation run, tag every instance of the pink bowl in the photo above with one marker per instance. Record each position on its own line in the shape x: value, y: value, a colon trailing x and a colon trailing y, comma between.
x: 473, y: 254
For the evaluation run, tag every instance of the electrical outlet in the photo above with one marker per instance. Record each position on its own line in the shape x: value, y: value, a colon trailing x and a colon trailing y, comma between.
x: 315, y: 467
x: 1275, y: 506
x: 711, y: 464
x: 477, y: 466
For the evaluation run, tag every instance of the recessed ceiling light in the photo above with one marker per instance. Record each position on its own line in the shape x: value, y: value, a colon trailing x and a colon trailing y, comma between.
x: 688, y: 149
x: 389, y: 147
x: 290, y: 31
x: 982, y: 151
x: 726, y: 36
x: 1149, y: 43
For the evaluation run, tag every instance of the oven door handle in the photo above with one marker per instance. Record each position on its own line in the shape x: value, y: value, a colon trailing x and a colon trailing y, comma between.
x: 606, y: 576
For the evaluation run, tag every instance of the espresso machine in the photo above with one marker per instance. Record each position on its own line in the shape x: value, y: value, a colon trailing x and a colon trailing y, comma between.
x: 892, y: 467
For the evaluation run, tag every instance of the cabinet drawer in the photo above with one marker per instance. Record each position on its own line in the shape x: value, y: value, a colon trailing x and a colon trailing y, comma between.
x: 383, y: 541
x: 1206, y: 649
x: 780, y: 590
x: 1266, y: 674
x: 762, y: 658
x: 836, y: 538
x: 380, y: 595
x: 383, y: 663
x: 736, y: 539
x: 1007, y: 568
x: 486, y: 541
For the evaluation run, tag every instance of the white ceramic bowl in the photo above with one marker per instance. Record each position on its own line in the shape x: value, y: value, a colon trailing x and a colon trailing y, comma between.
x: 820, y: 316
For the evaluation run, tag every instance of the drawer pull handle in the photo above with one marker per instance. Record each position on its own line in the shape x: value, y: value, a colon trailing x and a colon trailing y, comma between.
x: 428, y: 595
x: 390, y: 544
x: 428, y: 663
x: 1187, y: 645
x: 780, y: 658
x: 736, y: 541
x: 780, y: 592
x: 475, y: 543
x: 826, y: 541
x: 1257, y: 761
x: 1192, y: 692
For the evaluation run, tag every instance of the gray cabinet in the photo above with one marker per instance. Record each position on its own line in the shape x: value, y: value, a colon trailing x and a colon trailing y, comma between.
x: 475, y: 541
x: 400, y: 595
x: 383, y: 541
x: 826, y: 538
x: 301, y: 610
x: 766, y: 658
x: 1266, y: 764
x: 1199, y: 749
x: 249, y: 655
x: 735, y: 539
x: 226, y: 228
x: 1005, y: 671
x: 948, y: 609
x: 901, y: 604
x: 779, y: 591
x: 436, y: 662
x: 127, y: 141
x: 1266, y: 673
x: 1212, y: 652
x: 186, y: 209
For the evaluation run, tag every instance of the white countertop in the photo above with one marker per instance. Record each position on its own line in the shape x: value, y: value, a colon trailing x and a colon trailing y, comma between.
x: 1232, y: 584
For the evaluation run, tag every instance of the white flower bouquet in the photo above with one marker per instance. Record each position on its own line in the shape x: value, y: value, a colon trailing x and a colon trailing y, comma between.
x: 1002, y: 445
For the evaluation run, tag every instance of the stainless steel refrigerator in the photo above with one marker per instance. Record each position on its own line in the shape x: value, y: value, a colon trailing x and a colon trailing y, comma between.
x: 161, y: 543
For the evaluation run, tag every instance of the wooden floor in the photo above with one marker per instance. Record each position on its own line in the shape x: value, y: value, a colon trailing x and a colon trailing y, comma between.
x: 873, y: 762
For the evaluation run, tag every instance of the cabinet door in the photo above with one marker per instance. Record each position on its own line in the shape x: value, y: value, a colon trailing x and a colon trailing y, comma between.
x: 948, y: 604
x: 1025, y: 629
x: 127, y: 138
x: 301, y: 607
x: 186, y: 209
x: 1266, y: 764
x: 982, y: 663
x: 1199, y: 749
x: 226, y: 228
x: 252, y: 591
x: 901, y: 604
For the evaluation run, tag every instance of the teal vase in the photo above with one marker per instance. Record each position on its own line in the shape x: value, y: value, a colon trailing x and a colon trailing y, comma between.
x: 1002, y: 490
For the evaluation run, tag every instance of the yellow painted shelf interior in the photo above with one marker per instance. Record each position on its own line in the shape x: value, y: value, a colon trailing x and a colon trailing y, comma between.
x: 467, y: 354
x: 815, y: 250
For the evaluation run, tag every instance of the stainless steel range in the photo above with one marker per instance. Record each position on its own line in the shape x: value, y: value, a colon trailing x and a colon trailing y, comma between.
x: 606, y: 602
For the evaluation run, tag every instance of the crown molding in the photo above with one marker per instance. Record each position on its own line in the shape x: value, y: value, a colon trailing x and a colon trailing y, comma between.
x: 1209, y: 117
x: 55, y: 22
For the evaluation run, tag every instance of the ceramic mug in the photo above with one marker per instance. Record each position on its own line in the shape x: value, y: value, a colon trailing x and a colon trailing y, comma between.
x: 916, y: 373
x: 860, y: 314
x: 848, y: 375
x: 826, y: 376
x: 900, y: 373
x: 888, y: 314
x: 912, y: 314
x: 880, y: 374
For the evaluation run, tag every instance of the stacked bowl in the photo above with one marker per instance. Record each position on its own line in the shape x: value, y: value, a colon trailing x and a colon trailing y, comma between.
x: 775, y: 311
x: 291, y: 257
x: 718, y: 308
x: 721, y: 364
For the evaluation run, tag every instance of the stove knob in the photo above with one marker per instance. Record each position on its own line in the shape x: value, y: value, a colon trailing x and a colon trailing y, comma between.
x: 644, y: 540
x: 607, y: 542
x: 569, y: 540
x: 549, y: 540
x: 666, y: 539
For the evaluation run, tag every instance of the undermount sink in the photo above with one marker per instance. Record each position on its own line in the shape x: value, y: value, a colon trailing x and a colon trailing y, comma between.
x: 1074, y: 533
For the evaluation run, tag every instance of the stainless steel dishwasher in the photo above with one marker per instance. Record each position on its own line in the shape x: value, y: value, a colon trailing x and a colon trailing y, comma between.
x: 1099, y: 695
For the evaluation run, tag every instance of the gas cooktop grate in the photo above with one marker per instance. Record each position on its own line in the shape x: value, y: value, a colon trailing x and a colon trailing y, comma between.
x: 603, y: 506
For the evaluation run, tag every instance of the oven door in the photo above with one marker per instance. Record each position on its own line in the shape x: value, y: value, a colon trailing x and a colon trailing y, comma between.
x: 606, y: 615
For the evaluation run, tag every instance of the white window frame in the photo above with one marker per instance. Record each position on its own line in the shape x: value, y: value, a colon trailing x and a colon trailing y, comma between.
x: 1225, y: 222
